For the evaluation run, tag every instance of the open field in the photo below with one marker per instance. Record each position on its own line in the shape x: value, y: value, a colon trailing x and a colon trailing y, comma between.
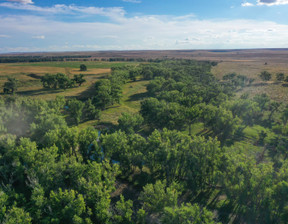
x: 216, y: 55
x: 252, y: 68
x: 32, y: 87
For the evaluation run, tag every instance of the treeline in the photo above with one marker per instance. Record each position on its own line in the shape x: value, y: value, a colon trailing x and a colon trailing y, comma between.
x: 20, y: 59
x: 61, y: 81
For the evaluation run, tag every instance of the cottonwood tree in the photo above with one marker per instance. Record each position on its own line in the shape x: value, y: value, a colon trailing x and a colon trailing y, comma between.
x: 75, y: 109
x: 11, y: 85
x: 83, y: 67
x: 79, y: 79
x: 186, y: 214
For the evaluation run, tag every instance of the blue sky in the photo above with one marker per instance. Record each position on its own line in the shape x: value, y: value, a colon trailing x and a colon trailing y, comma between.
x: 92, y: 25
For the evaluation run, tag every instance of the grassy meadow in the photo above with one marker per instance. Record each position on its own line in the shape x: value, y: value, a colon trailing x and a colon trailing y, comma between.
x: 32, y: 86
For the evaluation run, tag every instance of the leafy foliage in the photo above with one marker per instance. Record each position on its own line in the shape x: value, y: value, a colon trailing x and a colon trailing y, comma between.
x: 193, y: 145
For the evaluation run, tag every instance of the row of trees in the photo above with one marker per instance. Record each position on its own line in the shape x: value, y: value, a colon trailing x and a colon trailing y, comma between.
x: 61, y: 81
x: 21, y: 59
x: 49, y: 81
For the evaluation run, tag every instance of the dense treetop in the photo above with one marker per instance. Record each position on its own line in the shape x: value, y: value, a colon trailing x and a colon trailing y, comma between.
x: 194, y: 153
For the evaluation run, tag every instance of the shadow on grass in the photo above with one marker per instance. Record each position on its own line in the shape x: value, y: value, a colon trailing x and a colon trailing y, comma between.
x: 88, y: 93
x: 138, y: 96
x: 39, y: 92
x: 106, y: 127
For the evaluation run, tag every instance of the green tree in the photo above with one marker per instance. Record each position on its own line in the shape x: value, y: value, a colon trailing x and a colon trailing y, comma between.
x: 273, y: 107
x: 59, y: 80
x: 248, y: 110
x: 63, y: 81
x: 11, y: 85
x: 66, y: 207
x: 83, y: 67
x: 75, y: 109
x: 90, y: 110
x: 123, y: 211
x: 262, y: 100
x: 66, y: 139
x: 130, y: 122
x: 79, y: 79
x: 103, y: 91
x: 285, y: 115
x: 3, y: 202
x: 88, y: 143
x: 157, y: 196
x: 249, y: 186
x: 49, y: 81
x: 160, y: 114
x: 116, y: 92
x: 133, y: 74
x: 45, y: 122
x: 17, y: 215
x: 220, y: 120
x: 191, y: 115
x: 187, y: 214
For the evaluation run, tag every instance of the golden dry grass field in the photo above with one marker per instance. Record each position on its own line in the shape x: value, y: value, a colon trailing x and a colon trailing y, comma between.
x: 32, y: 86
x: 251, y: 66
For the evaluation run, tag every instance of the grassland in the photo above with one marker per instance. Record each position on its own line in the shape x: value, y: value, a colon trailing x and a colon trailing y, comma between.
x: 252, y: 68
x: 32, y: 87
x: 245, y: 62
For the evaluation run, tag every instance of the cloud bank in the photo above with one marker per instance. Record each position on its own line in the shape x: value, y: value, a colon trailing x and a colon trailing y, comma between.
x: 272, y: 2
x: 138, y: 33
x: 41, y: 32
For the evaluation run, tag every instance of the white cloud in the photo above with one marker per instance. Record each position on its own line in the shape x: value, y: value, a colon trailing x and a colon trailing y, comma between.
x: 113, y: 12
x: 247, y: 4
x: 132, y: 1
x: 22, y: 1
x: 39, y: 37
x: 145, y: 32
x: 272, y: 2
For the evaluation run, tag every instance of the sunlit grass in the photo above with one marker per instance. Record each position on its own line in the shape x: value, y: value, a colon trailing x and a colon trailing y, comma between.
x: 129, y: 103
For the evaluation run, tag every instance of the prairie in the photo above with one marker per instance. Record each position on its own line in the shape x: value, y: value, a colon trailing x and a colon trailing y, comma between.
x: 30, y: 85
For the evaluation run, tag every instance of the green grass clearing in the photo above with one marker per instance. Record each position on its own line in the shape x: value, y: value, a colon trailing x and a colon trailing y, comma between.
x: 132, y: 96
